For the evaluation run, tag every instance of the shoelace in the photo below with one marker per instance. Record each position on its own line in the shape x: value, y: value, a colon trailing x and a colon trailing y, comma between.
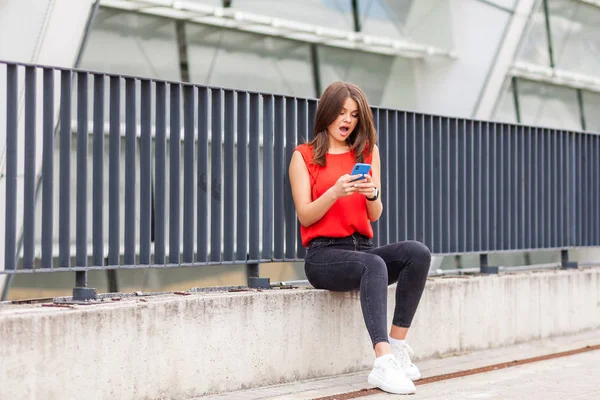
x: 405, y: 352
x: 394, y: 363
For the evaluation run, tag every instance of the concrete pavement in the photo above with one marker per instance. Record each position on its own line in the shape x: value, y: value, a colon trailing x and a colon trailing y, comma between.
x: 571, y: 377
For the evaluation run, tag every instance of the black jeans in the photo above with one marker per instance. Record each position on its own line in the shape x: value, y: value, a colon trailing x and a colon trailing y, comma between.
x: 344, y: 264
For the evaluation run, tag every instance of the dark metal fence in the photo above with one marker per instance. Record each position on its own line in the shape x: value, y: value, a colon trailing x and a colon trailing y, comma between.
x: 202, y: 177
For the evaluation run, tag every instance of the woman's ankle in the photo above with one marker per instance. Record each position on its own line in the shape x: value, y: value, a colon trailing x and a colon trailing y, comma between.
x: 382, y: 348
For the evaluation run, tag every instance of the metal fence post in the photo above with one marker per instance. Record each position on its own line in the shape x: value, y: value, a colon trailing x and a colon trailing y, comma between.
x: 81, y: 292
x: 484, y: 268
x: 564, y: 260
x: 254, y: 281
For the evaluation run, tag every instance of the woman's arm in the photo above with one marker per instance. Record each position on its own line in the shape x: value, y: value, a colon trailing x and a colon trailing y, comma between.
x: 374, y: 208
x: 310, y: 211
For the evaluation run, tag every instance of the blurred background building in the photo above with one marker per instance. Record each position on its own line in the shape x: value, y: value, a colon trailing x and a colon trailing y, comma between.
x: 535, y: 62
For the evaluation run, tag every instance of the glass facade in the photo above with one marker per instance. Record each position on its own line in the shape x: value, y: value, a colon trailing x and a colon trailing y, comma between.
x: 591, y: 105
x: 270, y: 64
x: 135, y: 44
x: 506, y: 110
x: 385, y: 18
x: 127, y: 42
x: 534, y: 46
x: 562, y: 35
x: 575, y: 30
x: 330, y: 13
x: 385, y: 79
x: 548, y: 105
x: 574, y: 48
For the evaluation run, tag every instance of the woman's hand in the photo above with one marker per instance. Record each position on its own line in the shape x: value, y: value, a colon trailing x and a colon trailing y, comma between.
x: 365, y: 186
x: 343, y: 187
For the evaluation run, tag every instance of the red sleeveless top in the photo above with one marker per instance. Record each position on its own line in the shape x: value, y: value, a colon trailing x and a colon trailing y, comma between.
x: 348, y: 214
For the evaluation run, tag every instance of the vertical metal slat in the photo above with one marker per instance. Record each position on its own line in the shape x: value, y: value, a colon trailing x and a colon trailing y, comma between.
x: 98, y: 173
x: 268, y: 103
x: 160, y: 165
x: 469, y: 195
x: 528, y: 184
x: 10, y: 238
x: 402, y: 178
x: 507, y: 188
x: 188, y: 174
x: 203, y: 178
x: 215, y: 189
x: 454, y: 234
x: 82, y: 169
x: 145, y: 171
x: 485, y: 179
x: 48, y: 168
x: 242, y: 182
x: 411, y: 184
x: 254, y: 181
x: 279, y: 228
x: 496, y: 201
x: 174, y: 172
x: 477, y: 187
x: 114, y: 161
x: 384, y: 148
x: 392, y: 181
x: 29, y: 179
x: 229, y: 178
x: 436, y: 211
x: 130, y: 150
x: 537, y: 206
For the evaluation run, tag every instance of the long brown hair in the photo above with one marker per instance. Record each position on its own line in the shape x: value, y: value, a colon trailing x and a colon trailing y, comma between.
x: 363, y: 137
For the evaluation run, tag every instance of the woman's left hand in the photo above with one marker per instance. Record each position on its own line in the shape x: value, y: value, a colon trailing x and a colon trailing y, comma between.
x: 365, y: 186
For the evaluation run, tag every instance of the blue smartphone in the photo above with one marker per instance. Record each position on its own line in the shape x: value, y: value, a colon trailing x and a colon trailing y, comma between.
x: 361, y: 170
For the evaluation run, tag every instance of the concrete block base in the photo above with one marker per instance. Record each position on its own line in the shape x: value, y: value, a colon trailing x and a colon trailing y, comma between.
x: 174, y: 346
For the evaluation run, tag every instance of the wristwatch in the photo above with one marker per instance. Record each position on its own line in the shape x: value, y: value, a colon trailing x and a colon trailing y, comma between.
x: 374, y: 197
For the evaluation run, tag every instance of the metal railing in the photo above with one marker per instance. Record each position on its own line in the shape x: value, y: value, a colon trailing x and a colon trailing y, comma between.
x: 203, y: 172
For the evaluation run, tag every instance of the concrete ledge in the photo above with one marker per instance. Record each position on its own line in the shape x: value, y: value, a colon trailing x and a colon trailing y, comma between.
x: 172, y: 346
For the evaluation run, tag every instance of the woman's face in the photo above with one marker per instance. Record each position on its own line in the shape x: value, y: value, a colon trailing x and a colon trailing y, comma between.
x: 340, y: 129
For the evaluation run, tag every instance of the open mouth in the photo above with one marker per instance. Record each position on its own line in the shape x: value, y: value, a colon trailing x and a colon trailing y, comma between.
x: 344, y: 130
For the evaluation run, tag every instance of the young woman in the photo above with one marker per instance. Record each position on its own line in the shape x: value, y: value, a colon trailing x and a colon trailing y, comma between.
x: 335, y: 212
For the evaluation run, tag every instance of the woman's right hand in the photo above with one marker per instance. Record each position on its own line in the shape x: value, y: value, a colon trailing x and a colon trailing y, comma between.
x: 343, y: 187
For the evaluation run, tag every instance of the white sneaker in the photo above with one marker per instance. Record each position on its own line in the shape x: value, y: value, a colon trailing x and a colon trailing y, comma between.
x: 387, y: 375
x: 403, y: 353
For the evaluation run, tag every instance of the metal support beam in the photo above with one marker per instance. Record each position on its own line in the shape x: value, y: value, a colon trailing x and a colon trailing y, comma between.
x: 515, y: 90
x: 581, y: 109
x: 356, y: 15
x: 548, y: 33
x: 314, y: 59
x: 183, y: 53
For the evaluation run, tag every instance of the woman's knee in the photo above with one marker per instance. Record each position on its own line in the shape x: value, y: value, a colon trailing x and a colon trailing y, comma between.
x: 375, y: 266
x: 419, y: 254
